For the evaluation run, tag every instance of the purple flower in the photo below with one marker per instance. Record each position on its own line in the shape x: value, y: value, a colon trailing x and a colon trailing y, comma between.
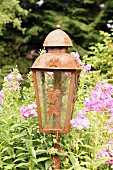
x: 19, y: 76
x: 103, y: 153
x: 100, y: 98
x: 9, y: 77
x: 110, y: 125
x: 12, y: 81
x: 77, y: 56
x: 110, y: 140
x: 1, y: 96
x: 80, y: 121
x: 108, y: 153
x: 28, y: 111
x: 86, y: 68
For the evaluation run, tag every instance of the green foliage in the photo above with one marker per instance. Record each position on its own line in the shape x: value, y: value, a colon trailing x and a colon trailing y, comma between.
x: 11, y: 12
x: 101, y: 56
x: 82, y: 20
x: 21, y: 144
x: 9, y: 58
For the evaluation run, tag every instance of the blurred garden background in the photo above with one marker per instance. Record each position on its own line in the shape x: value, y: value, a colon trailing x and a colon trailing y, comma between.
x: 24, y: 24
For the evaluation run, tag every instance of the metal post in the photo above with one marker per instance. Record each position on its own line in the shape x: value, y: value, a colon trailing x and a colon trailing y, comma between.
x: 56, y: 157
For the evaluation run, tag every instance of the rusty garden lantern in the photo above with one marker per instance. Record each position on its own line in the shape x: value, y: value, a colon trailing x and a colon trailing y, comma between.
x: 55, y: 76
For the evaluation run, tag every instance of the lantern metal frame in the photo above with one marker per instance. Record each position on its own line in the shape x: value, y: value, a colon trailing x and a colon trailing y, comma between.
x: 57, y: 60
x: 72, y: 90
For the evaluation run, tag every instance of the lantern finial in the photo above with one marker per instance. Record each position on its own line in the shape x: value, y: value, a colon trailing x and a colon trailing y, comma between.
x: 58, y: 27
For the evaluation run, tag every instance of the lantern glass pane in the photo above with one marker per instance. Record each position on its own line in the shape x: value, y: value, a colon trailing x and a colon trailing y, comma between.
x: 53, y: 89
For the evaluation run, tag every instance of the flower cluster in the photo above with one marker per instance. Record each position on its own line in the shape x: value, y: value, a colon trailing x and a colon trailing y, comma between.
x: 100, y: 98
x: 12, y: 81
x: 1, y: 96
x: 77, y: 56
x: 28, y: 111
x: 80, y: 121
x: 107, y: 152
x: 85, y: 67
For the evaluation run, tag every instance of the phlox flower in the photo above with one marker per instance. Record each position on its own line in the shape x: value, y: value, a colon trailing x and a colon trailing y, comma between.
x: 9, y: 77
x: 110, y: 140
x: 103, y: 153
x: 108, y: 153
x: 77, y: 56
x: 19, y: 76
x: 1, y: 96
x: 100, y: 98
x: 80, y: 121
x: 110, y: 125
x: 12, y: 81
x: 86, y: 68
x: 28, y: 111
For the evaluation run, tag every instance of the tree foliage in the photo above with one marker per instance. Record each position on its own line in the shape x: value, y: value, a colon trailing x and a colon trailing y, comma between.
x: 11, y: 12
x: 80, y: 19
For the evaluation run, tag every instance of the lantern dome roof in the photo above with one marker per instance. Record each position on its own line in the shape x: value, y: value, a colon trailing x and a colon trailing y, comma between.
x: 56, y: 61
x: 57, y: 38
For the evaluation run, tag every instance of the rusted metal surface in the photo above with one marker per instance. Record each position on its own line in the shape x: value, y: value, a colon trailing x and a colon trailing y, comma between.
x: 53, y: 97
x: 56, y: 157
x: 62, y: 71
x: 57, y: 61
x: 57, y: 38
x: 37, y: 98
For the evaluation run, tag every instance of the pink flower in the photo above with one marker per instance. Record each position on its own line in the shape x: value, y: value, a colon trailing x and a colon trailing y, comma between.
x: 12, y: 81
x: 19, y: 76
x: 1, y: 96
x: 9, y: 77
x: 110, y: 125
x: 100, y: 98
x: 110, y: 140
x: 77, y: 56
x: 80, y: 121
x: 28, y: 111
x: 86, y: 68
x: 107, y: 152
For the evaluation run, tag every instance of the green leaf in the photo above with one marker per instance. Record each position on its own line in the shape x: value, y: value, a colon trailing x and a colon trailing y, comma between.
x: 23, y: 154
x: 28, y: 144
x: 72, y: 159
x: 19, y: 159
x: 41, y: 151
x: 10, y: 166
x: 33, y: 152
x: 87, y: 146
x: 86, y: 163
x: 99, y: 162
x: 6, y: 158
x: 22, y: 165
x: 41, y: 159
x: 47, y: 164
x: 20, y: 148
x: 18, y: 136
